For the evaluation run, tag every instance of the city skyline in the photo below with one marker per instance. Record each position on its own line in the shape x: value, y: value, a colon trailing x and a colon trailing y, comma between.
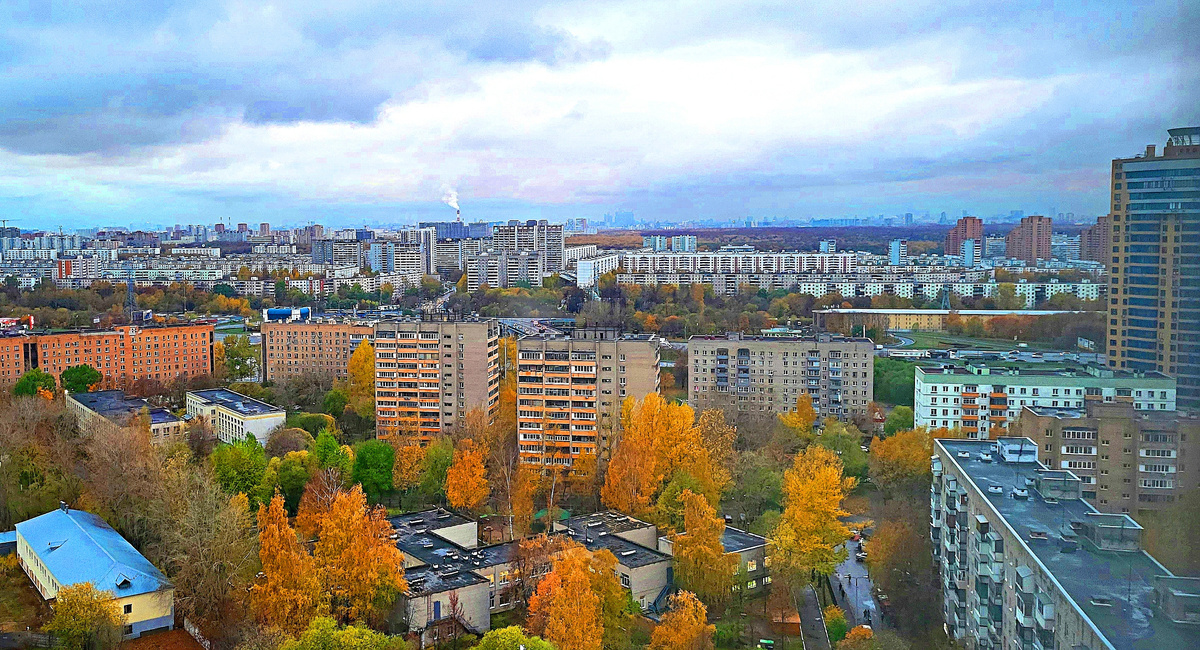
x: 364, y: 114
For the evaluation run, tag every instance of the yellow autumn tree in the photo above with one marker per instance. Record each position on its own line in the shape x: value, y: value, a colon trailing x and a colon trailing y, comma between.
x: 360, y: 390
x: 408, y: 461
x: 858, y: 638
x: 701, y: 564
x: 521, y: 500
x: 810, y: 530
x: 360, y: 567
x: 800, y: 419
x: 564, y: 609
x: 289, y: 594
x: 901, y: 460
x: 466, y: 481
x: 685, y: 626
x: 718, y: 437
x: 85, y: 617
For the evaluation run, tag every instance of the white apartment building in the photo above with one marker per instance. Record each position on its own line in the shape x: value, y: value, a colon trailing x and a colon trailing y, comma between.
x: 981, y: 399
x: 738, y: 260
x: 540, y: 236
x: 233, y: 415
x: 589, y: 269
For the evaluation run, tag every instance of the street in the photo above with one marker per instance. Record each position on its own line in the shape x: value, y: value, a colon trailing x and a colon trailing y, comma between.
x: 853, y: 591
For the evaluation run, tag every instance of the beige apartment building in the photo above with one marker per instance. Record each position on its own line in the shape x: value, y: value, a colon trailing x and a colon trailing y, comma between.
x: 430, y: 373
x: 312, y: 346
x: 1129, y: 461
x: 570, y: 390
x: 756, y: 374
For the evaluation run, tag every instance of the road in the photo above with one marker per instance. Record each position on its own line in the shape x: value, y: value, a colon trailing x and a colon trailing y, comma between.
x: 854, y: 591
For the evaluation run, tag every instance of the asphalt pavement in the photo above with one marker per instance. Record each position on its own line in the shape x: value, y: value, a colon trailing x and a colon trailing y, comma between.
x: 854, y: 592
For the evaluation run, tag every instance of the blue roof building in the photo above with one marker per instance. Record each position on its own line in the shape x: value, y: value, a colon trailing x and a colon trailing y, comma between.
x: 65, y: 547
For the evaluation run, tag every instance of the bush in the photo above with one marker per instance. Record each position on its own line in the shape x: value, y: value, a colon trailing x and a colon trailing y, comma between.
x: 313, y: 423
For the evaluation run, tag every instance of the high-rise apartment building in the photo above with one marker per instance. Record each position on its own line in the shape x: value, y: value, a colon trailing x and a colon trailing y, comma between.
x: 984, y: 401
x: 969, y: 251
x: 1154, y: 267
x: 430, y: 373
x: 162, y: 353
x: 570, y: 390
x: 1025, y: 562
x: 655, y: 242
x: 765, y: 375
x: 683, y: 243
x: 1129, y: 461
x: 1030, y: 240
x: 898, y: 252
x: 966, y: 228
x: 1094, y: 240
x: 339, y: 252
x: 540, y: 236
x: 425, y: 241
x: 311, y: 346
x: 499, y: 269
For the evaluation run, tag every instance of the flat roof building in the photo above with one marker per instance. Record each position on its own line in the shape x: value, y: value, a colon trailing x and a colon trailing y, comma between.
x: 1026, y: 563
x: 114, y: 408
x: 984, y: 400
x: 233, y: 415
x: 311, y: 346
x: 159, y: 352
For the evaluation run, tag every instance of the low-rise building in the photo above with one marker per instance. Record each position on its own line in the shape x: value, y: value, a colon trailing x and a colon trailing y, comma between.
x: 570, y: 390
x: 113, y: 408
x: 641, y: 568
x: 752, y: 575
x: 766, y: 374
x: 1128, y: 461
x: 66, y: 547
x: 984, y: 400
x: 233, y: 415
x: 1025, y: 562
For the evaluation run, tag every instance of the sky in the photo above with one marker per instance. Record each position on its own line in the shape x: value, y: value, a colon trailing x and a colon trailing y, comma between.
x: 156, y: 112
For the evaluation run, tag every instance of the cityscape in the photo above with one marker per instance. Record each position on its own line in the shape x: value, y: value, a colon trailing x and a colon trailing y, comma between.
x: 664, y: 385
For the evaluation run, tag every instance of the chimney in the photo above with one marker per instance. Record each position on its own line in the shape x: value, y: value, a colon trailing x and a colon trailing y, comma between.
x: 1149, y: 151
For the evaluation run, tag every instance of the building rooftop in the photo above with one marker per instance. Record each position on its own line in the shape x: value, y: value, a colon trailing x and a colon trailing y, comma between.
x: 609, y: 521
x: 115, y: 406
x: 822, y: 337
x: 735, y: 540
x: 945, y: 312
x: 446, y: 564
x: 236, y: 401
x: 628, y: 553
x: 1112, y: 588
x: 77, y: 546
x: 1063, y: 369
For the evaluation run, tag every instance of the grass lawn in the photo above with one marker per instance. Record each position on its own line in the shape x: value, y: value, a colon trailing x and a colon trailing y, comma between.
x: 943, y: 341
x: 20, y: 604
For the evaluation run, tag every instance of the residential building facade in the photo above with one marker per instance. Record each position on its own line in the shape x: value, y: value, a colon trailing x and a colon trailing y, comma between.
x: 1030, y: 240
x: 126, y: 351
x: 311, y: 346
x: 430, y: 373
x: 765, y: 375
x: 849, y: 320
x: 111, y: 408
x: 540, y: 236
x: 570, y: 390
x: 1128, y: 461
x: 233, y: 415
x: 966, y: 228
x: 1025, y: 562
x: 1094, y: 240
x: 1154, y: 265
x: 984, y: 401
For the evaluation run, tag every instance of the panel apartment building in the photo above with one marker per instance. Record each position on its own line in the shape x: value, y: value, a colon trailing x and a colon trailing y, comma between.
x: 757, y: 374
x: 1154, y: 265
x: 570, y: 390
x: 984, y: 401
x: 540, y: 236
x: 1025, y: 562
x: 1128, y: 461
x: 154, y: 352
x: 430, y: 373
x: 312, y: 346
x: 1030, y: 240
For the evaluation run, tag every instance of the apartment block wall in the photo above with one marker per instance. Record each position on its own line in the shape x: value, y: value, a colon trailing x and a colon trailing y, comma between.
x: 291, y: 349
x: 430, y: 374
x: 161, y: 353
x: 746, y: 375
x: 570, y: 391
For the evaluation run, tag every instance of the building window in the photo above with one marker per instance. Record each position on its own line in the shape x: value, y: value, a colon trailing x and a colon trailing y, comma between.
x: 751, y: 565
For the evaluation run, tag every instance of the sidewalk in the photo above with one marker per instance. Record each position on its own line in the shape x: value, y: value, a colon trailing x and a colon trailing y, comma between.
x: 811, y: 623
x: 852, y: 589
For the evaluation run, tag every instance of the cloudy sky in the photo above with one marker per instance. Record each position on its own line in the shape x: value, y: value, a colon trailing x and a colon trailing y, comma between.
x: 348, y: 112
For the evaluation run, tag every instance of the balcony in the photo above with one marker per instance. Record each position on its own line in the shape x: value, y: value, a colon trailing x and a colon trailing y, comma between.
x: 1043, y: 615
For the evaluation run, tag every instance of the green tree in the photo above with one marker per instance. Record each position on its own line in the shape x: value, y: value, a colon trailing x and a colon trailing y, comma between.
x: 511, y: 638
x: 80, y: 379
x: 373, y: 461
x: 900, y: 419
x: 330, y: 453
x: 241, y: 358
x: 323, y: 633
x: 239, y: 467
x: 85, y: 617
x: 335, y: 402
x: 846, y: 441
x: 439, y: 455
x: 32, y: 380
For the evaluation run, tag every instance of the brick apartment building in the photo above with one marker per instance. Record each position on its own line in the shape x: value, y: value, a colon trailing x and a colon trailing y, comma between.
x: 966, y: 228
x: 1030, y: 240
x: 430, y: 373
x: 570, y: 390
x: 313, y: 346
x: 161, y: 352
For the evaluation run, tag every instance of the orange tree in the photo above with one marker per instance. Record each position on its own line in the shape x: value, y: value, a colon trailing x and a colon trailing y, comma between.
x: 701, y: 564
x: 288, y: 596
x: 685, y: 627
x: 466, y: 480
x: 564, y: 610
x: 800, y: 419
x: 361, y: 569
